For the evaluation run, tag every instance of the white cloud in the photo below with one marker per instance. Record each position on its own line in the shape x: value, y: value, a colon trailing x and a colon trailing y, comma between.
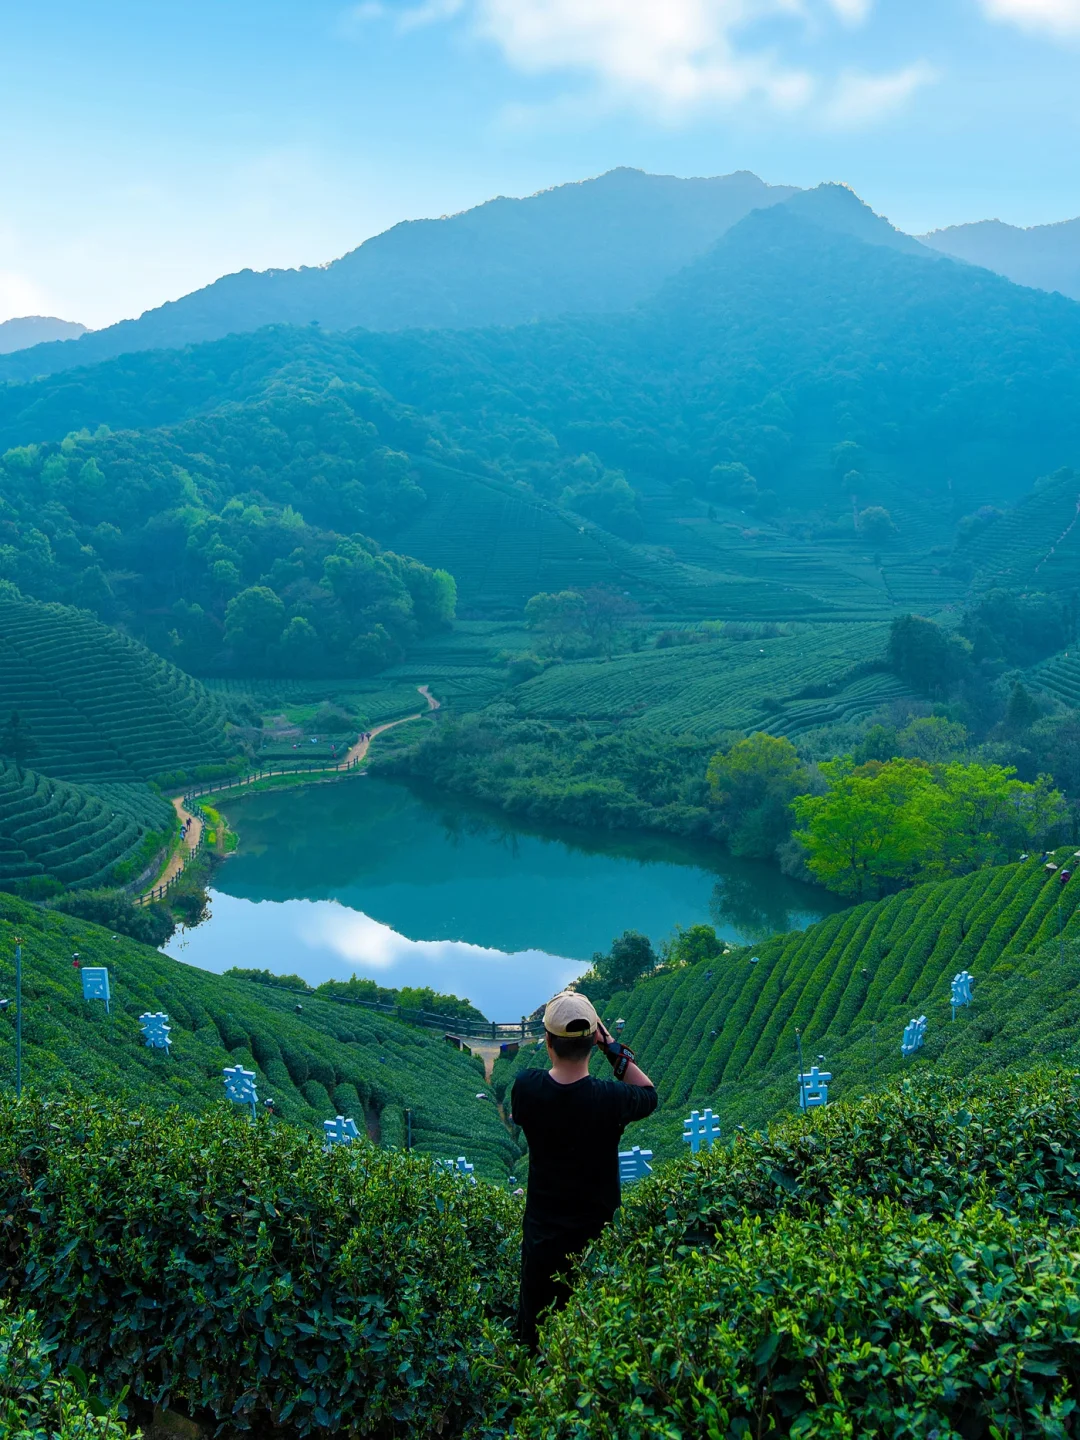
x: 853, y: 11
x: 671, y: 57
x: 859, y: 99
x: 429, y: 13
x: 1054, y: 17
x: 667, y: 54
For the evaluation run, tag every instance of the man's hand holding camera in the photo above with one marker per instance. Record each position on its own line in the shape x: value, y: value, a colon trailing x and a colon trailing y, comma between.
x: 619, y: 1056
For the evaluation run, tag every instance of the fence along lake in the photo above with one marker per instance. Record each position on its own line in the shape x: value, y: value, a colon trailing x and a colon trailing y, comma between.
x: 409, y: 887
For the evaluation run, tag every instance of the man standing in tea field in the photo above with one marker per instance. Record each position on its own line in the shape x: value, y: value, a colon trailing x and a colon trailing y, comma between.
x: 573, y: 1125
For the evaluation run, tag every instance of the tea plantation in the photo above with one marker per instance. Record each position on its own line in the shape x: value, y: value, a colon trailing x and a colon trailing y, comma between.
x: 58, y: 829
x: 702, y: 688
x: 900, y: 1266
x: 722, y: 1031
x: 99, y: 706
x: 894, y: 1266
x: 329, y: 1058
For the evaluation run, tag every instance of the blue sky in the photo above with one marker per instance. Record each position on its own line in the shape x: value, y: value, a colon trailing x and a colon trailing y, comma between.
x: 146, y: 148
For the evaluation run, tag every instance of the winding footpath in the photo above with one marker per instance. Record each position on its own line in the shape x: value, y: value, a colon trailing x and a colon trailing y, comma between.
x: 183, y: 853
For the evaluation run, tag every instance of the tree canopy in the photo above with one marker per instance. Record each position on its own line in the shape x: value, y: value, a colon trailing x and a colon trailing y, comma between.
x: 884, y: 824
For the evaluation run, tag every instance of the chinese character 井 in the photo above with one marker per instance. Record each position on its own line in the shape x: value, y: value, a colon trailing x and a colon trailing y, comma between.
x: 701, y: 1130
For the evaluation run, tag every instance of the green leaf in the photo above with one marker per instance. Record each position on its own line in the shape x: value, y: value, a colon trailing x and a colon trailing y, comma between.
x: 767, y: 1349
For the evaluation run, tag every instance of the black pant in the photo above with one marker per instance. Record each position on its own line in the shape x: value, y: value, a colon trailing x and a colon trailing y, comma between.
x: 541, y: 1262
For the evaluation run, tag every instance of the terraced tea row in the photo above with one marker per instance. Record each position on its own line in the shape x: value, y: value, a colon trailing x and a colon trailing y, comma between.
x: 718, y: 1032
x: 324, y: 1060
x: 49, y: 827
x: 1037, y: 543
x: 100, y: 706
x: 702, y: 689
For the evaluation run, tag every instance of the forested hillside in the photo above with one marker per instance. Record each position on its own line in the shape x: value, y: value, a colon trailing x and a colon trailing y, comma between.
x: 314, y: 1060
x: 771, y: 437
x: 597, y: 245
x: 193, y: 537
x: 1046, y: 256
x: 791, y: 336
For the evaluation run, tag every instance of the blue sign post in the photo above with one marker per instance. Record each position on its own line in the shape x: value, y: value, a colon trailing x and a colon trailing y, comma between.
x: 813, y: 1089
x: 701, y: 1130
x: 240, y: 1086
x: 95, y: 984
x: 340, y: 1131
x: 914, y: 1034
x: 960, y: 991
x: 634, y: 1165
x: 461, y: 1167
x: 156, y: 1030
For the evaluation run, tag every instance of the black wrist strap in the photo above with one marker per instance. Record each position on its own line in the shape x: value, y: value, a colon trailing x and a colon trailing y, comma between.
x: 619, y: 1057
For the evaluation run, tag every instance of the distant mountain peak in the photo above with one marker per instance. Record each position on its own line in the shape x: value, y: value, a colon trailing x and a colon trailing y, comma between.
x: 596, y: 245
x: 1044, y: 257
x: 26, y: 330
x: 836, y: 206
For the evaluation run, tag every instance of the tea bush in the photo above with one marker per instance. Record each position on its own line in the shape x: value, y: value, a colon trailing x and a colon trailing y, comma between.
x: 870, y: 1322
x: 36, y: 1403
x: 901, y: 1265
x: 242, y: 1270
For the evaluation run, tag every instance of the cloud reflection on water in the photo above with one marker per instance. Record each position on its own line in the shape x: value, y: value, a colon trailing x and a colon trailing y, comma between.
x: 322, y: 940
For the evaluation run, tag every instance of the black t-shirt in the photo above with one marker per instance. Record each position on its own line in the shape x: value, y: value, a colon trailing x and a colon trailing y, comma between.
x: 573, y: 1133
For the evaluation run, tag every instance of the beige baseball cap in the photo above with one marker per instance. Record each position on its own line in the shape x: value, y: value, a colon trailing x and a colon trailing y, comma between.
x: 570, y: 1014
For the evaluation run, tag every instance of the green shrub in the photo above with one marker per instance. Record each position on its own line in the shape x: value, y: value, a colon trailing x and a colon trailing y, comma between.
x: 871, y: 1322
x: 38, y: 1404
x: 242, y: 1268
x: 894, y: 1266
x: 152, y: 924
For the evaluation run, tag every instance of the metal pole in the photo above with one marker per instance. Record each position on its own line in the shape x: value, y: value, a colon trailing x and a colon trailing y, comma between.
x: 802, y: 1082
x: 408, y: 1129
x: 1061, y: 932
x: 18, y: 1018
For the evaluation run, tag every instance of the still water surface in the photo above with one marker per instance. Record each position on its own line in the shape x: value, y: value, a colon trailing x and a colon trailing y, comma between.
x: 410, y: 887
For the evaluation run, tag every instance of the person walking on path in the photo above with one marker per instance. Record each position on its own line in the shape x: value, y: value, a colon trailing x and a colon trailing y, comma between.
x: 573, y: 1125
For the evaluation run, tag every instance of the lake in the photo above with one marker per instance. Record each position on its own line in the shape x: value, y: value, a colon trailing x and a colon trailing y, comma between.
x: 411, y: 887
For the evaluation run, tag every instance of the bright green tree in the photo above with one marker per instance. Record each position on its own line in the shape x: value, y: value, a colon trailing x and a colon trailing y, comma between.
x: 987, y: 815
x: 883, y: 824
x: 869, y: 827
x: 753, y: 783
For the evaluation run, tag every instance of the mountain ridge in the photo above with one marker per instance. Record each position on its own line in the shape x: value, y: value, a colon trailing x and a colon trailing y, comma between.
x: 22, y: 332
x: 589, y: 245
x: 1043, y: 257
